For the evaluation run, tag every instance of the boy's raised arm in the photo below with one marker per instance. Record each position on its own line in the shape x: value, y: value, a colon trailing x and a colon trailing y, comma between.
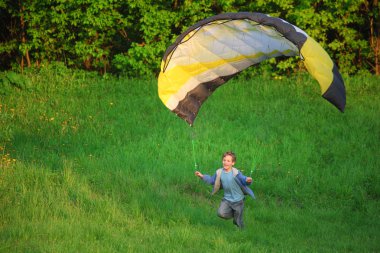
x: 206, y: 178
x: 198, y: 174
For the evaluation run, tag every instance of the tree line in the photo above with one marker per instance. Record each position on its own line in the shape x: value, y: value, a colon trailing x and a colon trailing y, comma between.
x: 130, y: 36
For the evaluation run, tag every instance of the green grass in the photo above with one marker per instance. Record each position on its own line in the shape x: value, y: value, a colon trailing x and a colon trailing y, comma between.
x: 90, y: 164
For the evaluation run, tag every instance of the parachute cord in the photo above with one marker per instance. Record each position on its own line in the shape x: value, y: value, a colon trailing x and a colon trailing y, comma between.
x: 193, y: 143
x: 253, y: 168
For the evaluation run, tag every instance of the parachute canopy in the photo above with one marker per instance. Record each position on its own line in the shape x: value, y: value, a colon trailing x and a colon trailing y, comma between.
x: 215, y: 49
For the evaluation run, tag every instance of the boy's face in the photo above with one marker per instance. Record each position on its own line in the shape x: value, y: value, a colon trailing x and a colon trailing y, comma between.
x: 228, y: 162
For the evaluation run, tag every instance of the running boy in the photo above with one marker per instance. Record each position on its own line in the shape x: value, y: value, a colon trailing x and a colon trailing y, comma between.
x: 235, y: 186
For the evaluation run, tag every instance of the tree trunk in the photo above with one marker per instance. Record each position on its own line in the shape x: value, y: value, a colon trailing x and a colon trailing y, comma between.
x: 175, y: 4
x: 23, y: 37
x: 87, y: 63
x: 377, y: 37
x: 374, y: 28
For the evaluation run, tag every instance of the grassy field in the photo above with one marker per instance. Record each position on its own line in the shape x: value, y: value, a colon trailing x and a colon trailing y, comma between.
x: 91, y: 164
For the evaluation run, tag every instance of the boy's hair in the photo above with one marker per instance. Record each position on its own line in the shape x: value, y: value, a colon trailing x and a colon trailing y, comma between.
x: 230, y: 153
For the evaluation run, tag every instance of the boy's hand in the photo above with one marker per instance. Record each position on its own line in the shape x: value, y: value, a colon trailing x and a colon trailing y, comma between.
x: 198, y: 174
x: 249, y: 180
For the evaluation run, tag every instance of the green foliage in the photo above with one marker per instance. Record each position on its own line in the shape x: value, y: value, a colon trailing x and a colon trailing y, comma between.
x: 155, y: 25
x: 130, y: 37
x: 143, y: 57
x: 75, y: 32
x: 335, y: 25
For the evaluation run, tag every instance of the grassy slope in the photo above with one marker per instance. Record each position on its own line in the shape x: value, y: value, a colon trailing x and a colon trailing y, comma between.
x: 96, y: 165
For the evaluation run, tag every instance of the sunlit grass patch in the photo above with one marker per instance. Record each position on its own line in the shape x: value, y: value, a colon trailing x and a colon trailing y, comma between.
x: 95, y: 165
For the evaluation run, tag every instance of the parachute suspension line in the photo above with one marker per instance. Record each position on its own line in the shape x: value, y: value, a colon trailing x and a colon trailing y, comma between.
x: 253, y: 167
x: 257, y: 156
x: 193, y: 144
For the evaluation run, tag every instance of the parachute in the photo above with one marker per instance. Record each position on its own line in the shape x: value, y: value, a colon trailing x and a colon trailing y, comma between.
x: 215, y: 49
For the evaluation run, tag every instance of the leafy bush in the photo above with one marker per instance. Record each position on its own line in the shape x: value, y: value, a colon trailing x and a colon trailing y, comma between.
x: 131, y: 36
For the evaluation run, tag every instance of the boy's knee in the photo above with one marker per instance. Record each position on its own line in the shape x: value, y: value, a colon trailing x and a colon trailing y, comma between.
x: 224, y: 215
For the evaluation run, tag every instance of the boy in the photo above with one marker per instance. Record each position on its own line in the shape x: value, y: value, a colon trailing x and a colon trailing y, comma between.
x: 235, y: 186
